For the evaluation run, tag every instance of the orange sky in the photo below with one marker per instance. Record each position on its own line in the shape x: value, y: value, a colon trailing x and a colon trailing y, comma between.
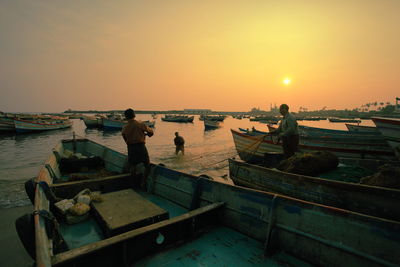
x: 223, y: 55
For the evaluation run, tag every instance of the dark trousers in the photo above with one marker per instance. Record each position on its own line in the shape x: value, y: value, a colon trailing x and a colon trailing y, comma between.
x: 290, y: 145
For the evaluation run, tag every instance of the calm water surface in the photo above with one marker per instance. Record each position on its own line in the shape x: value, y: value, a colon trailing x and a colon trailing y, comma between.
x: 22, y: 155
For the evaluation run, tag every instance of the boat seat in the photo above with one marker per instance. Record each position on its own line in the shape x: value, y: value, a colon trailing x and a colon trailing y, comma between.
x: 125, y: 210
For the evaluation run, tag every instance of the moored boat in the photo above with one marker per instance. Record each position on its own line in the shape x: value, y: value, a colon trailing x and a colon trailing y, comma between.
x: 344, y: 120
x: 362, y: 128
x: 188, y: 220
x: 371, y: 200
x: 177, y: 118
x: 390, y: 129
x: 340, y: 138
x: 23, y: 126
x: 211, y: 124
x: 253, y: 148
x: 91, y: 121
x: 7, y: 124
x: 151, y: 124
x: 112, y: 124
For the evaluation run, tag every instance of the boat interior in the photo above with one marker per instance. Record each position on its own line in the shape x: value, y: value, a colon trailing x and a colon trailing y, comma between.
x: 170, y: 220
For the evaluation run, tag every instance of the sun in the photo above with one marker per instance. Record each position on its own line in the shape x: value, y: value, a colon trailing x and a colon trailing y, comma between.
x: 287, y: 81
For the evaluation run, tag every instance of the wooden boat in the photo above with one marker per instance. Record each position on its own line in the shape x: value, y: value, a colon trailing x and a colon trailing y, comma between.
x: 340, y: 138
x: 253, y: 131
x: 177, y: 118
x: 371, y: 200
x: 390, y: 129
x: 7, y: 124
x: 208, y: 223
x: 91, y: 121
x: 343, y: 120
x: 211, y: 124
x: 212, y: 117
x: 113, y: 124
x: 362, y: 128
x: 315, y: 131
x: 151, y: 124
x: 253, y: 148
x: 23, y: 126
x: 110, y: 124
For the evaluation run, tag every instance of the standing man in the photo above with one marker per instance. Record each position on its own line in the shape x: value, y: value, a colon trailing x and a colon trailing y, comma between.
x: 179, y: 143
x: 134, y: 134
x: 288, y: 132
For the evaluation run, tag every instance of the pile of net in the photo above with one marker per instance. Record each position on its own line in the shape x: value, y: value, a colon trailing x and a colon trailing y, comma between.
x: 387, y: 176
x: 310, y: 163
x: 77, y: 209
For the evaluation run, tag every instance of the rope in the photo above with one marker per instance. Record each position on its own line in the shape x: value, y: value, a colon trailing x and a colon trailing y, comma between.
x: 247, y: 148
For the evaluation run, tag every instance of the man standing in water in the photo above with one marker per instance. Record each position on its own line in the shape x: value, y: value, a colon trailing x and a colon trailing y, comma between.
x: 288, y: 132
x: 179, y: 143
x: 134, y: 134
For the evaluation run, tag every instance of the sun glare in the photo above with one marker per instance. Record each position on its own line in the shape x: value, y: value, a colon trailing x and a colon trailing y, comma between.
x: 286, y: 81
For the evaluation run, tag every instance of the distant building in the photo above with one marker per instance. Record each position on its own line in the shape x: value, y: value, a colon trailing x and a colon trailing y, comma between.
x: 397, y: 106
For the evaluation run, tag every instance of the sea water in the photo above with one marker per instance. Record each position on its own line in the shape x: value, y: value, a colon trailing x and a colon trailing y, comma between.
x: 206, y: 152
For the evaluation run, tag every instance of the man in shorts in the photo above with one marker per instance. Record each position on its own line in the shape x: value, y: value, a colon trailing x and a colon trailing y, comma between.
x: 134, y: 134
x: 179, y: 144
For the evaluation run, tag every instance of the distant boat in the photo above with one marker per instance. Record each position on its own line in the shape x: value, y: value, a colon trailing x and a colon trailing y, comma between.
x: 211, y: 124
x: 23, y: 126
x: 178, y: 118
x: 113, y: 124
x: 362, y: 128
x: 390, y: 129
x: 212, y: 117
x: 7, y: 124
x: 110, y: 124
x: 91, y: 121
x: 150, y: 124
x: 343, y: 120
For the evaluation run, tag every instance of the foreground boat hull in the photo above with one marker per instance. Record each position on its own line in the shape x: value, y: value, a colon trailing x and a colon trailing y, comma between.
x: 318, y: 234
x: 371, y: 200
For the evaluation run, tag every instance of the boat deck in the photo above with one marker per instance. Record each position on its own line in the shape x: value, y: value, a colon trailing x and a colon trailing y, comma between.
x: 221, y: 246
x: 89, y: 231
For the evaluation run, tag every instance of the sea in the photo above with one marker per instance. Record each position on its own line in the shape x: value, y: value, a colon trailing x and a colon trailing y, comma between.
x: 206, y: 152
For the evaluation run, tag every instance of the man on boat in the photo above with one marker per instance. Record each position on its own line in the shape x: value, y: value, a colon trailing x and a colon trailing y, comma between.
x: 179, y: 143
x: 134, y: 134
x: 288, y: 132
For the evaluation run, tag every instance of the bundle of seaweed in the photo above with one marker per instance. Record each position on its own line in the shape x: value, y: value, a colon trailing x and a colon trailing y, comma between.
x: 387, y: 176
x: 310, y: 163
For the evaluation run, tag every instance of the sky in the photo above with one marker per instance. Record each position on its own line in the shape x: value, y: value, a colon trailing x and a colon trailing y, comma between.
x: 225, y: 55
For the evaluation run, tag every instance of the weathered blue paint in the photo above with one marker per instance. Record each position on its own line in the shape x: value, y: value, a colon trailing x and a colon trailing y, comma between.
x: 219, y: 247
x: 172, y: 208
x: 250, y: 210
x: 292, y: 209
x: 77, y: 235
x: 167, y: 173
x: 256, y: 197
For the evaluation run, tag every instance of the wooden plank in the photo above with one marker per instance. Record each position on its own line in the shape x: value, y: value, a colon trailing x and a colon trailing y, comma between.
x: 173, y: 225
x: 105, y: 184
x: 126, y: 210
x: 370, y: 200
